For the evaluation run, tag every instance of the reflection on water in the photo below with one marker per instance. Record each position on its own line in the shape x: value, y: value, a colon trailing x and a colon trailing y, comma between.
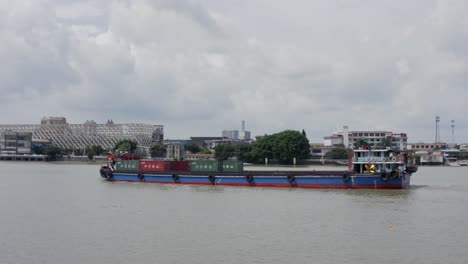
x: 54, y: 213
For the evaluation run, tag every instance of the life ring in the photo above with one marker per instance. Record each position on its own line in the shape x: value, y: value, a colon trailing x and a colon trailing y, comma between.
x: 291, y: 178
x: 176, y: 177
x: 384, y: 176
x: 346, y: 177
x: 140, y: 176
x: 249, y: 178
x: 211, y: 178
x: 393, y: 159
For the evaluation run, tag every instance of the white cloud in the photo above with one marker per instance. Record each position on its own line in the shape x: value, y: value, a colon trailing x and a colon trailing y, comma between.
x: 199, y: 67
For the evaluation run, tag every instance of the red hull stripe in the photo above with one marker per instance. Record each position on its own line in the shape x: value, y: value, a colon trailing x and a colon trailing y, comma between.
x: 313, y: 186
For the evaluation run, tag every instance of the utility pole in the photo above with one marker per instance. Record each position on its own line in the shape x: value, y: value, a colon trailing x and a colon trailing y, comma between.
x: 453, y: 132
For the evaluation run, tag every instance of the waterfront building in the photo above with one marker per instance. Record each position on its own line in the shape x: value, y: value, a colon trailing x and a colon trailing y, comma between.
x: 319, y: 150
x: 16, y: 143
x: 426, y: 146
x: 79, y: 136
x: 373, y: 138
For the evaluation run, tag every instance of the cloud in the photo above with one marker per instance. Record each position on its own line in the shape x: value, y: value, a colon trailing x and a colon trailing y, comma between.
x: 199, y: 67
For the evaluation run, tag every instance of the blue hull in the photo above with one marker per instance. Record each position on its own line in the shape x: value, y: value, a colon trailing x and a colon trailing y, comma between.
x: 353, y: 181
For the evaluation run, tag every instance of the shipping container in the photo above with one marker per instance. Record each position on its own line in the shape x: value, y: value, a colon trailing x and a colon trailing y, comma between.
x: 127, y: 165
x: 233, y: 166
x: 155, y: 165
x: 206, y: 165
x: 180, y: 165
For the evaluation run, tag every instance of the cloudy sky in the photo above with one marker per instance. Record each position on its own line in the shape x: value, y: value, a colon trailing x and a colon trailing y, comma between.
x: 199, y: 67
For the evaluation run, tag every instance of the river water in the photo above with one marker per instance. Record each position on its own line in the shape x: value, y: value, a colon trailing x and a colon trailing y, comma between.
x: 61, y: 213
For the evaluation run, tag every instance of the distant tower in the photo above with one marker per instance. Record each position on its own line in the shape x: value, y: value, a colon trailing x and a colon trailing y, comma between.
x: 437, y: 136
x: 345, y: 137
x: 453, y: 131
x: 242, y: 132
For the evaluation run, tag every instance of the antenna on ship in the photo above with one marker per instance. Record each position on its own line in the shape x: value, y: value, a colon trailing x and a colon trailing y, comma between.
x: 437, y: 136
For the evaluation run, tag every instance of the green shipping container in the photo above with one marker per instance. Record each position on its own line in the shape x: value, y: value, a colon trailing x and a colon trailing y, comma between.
x: 233, y: 166
x: 205, y: 165
x: 127, y: 165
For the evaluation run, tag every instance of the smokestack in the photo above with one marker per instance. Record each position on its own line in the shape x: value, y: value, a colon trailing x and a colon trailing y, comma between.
x: 345, y: 137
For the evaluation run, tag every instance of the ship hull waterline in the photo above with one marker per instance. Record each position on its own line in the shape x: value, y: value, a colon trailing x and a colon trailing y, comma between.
x: 354, y: 181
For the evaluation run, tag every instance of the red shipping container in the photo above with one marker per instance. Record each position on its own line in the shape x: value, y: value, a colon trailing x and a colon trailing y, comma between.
x: 180, y: 165
x: 154, y: 165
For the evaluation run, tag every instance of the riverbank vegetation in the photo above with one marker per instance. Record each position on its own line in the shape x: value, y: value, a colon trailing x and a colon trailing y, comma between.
x: 282, y: 147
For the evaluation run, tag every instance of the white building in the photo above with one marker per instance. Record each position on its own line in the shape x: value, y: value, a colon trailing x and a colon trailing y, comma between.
x: 373, y: 138
x: 80, y: 136
x: 175, y: 151
x: 236, y: 134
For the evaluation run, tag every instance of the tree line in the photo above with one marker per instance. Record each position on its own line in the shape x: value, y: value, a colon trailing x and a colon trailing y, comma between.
x: 282, y: 147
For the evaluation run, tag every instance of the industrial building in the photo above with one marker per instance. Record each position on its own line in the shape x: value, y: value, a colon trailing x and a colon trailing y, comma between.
x: 236, y: 134
x: 79, y: 136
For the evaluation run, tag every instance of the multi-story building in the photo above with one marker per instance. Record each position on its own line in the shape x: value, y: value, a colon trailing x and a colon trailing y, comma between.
x: 17, y: 143
x: 426, y: 146
x: 79, y: 136
x: 175, y: 151
x: 236, y: 134
x: 231, y: 134
x: 209, y: 142
x: 373, y: 138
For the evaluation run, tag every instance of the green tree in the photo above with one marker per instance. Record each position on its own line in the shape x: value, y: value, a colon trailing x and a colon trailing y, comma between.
x: 52, y: 152
x: 337, y: 153
x: 361, y: 142
x: 36, y: 149
x: 94, y: 150
x: 463, y: 156
x: 283, y: 147
x: 386, y: 142
x: 304, y: 133
x: 126, y: 145
x: 193, y: 147
x: 205, y: 150
x: 243, y: 152
x: 225, y: 151
x: 158, y: 150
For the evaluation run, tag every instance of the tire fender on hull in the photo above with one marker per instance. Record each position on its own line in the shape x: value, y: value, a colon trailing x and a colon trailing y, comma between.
x: 291, y: 178
x: 176, y: 178
x: 212, y: 179
x: 249, y: 178
x: 346, y: 177
x: 384, y: 176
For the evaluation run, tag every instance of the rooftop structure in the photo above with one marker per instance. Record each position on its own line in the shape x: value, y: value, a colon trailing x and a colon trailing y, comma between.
x: 373, y: 138
x: 80, y: 136
x: 236, y: 134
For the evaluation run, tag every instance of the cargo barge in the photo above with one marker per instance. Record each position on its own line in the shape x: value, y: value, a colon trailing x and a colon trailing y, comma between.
x: 367, y: 169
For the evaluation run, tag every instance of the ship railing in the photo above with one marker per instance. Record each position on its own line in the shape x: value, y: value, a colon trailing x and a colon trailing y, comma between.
x: 378, y: 159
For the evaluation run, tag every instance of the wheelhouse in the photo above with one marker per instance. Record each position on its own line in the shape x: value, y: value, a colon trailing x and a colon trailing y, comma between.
x: 370, y: 161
